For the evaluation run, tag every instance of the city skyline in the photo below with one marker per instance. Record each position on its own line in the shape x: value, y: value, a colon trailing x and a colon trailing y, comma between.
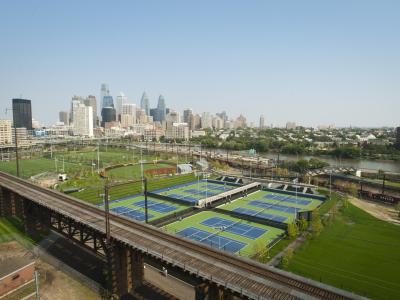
x: 309, y: 63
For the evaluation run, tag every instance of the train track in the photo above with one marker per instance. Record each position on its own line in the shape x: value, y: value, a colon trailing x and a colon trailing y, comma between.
x: 302, y: 285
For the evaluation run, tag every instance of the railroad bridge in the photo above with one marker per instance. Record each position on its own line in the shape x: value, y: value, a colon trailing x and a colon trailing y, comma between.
x: 213, y: 273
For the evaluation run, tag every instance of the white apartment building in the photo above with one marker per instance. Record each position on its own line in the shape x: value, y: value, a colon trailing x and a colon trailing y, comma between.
x: 5, y: 132
x: 178, y: 131
x: 83, y: 120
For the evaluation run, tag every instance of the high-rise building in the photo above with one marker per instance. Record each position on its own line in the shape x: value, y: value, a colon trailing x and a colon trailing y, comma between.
x: 241, y: 122
x: 206, y: 120
x: 91, y: 101
x: 397, y: 143
x: 262, y: 122
x: 64, y: 117
x: 75, y: 102
x: 108, y: 101
x: 108, y: 115
x: 290, y: 125
x: 22, y: 113
x: 5, y: 132
x: 104, y: 91
x: 178, y: 131
x: 155, y: 113
x: 83, y: 120
x: 217, y: 122
x: 188, y: 117
x: 173, y: 116
x: 128, y: 115
x: 161, y: 108
x: 121, y: 100
x: 145, y: 104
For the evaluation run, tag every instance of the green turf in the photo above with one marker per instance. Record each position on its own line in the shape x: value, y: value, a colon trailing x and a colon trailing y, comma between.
x: 244, y: 203
x: 252, y: 245
x: 10, y: 230
x: 356, y: 252
x: 134, y: 172
x: 30, y: 167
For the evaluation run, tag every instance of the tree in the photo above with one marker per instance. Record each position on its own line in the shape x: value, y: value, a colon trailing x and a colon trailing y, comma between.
x: 303, y: 224
x: 286, y: 258
x: 397, y: 207
x: 316, y: 224
x: 293, y: 230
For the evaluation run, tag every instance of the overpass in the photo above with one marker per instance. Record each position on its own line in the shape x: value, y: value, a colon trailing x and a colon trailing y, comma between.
x: 215, y: 274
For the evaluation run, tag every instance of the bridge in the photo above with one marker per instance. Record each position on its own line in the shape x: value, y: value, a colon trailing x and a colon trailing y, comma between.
x: 129, y: 244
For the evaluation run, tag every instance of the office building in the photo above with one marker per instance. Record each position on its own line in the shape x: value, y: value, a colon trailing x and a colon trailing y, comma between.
x: 173, y: 117
x: 161, y: 108
x: 128, y: 115
x: 206, y: 120
x: 108, y: 101
x: 64, y: 117
x: 22, y: 113
x: 91, y: 101
x: 108, y: 115
x: 241, y: 122
x: 145, y: 104
x: 290, y: 125
x: 262, y: 122
x: 5, y: 132
x: 104, y: 91
x: 121, y: 100
x: 83, y: 120
x: 178, y: 131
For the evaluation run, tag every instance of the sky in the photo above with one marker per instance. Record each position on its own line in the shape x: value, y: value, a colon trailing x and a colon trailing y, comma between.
x: 311, y: 62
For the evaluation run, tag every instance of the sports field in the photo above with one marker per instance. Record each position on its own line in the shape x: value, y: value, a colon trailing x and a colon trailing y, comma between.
x: 30, y: 167
x: 134, y: 171
x: 193, y: 191
x: 356, y: 252
x: 272, y: 206
x: 133, y: 207
x: 225, y: 232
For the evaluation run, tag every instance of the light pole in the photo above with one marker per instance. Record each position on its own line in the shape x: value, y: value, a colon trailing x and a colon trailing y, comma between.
x: 16, y: 142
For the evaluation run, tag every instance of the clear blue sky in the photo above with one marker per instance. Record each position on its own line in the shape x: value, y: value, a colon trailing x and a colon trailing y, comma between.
x: 312, y: 62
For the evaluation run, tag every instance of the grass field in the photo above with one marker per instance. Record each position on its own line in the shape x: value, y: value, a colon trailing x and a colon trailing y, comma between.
x: 356, y: 252
x: 277, y: 207
x: 32, y: 167
x: 10, y: 230
x: 252, y: 245
x: 156, y: 208
x: 134, y: 172
x: 92, y: 192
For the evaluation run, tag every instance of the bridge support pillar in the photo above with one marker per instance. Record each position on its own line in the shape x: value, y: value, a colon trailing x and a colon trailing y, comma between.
x: 136, y: 272
x: 211, y: 291
x: 2, y: 203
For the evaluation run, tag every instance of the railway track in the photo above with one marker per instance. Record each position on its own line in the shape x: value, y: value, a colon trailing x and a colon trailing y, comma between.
x: 84, y: 210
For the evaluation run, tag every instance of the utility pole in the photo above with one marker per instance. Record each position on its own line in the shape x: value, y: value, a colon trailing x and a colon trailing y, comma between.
x: 107, y: 212
x: 37, y: 285
x: 98, y: 157
x: 146, y: 216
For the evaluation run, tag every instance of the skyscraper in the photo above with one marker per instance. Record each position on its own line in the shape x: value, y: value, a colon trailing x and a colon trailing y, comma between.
x: 188, y: 117
x: 83, y: 120
x: 104, y: 91
x: 161, y: 108
x: 91, y: 101
x: 64, y: 117
x: 107, y: 115
x: 144, y: 104
x: 121, y: 100
x: 262, y: 122
x: 108, y: 101
x: 22, y: 113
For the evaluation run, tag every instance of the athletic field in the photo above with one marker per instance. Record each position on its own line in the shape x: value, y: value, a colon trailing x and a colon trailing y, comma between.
x: 272, y: 206
x: 225, y: 233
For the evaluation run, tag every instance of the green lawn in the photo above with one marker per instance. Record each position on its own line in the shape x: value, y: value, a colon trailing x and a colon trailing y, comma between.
x: 252, y: 245
x: 30, y: 167
x: 10, y: 230
x: 356, y: 252
x: 245, y: 203
x: 134, y: 172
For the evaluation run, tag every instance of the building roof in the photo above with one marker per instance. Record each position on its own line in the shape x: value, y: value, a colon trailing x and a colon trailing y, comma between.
x: 10, y: 265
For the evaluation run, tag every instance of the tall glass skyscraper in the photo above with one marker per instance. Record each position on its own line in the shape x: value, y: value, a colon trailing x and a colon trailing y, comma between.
x: 22, y: 113
x: 104, y: 91
x: 161, y: 108
x: 108, y: 101
x: 144, y: 104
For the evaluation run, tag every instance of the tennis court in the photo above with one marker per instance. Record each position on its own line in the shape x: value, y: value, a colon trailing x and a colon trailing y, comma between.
x: 156, y: 206
x: 287, y: 199
x: 213, y: 240
x: 238, y: 228
x: 131, y: 213
x: 260, y: 214
x: 278, y: 207
x: 193, y: 191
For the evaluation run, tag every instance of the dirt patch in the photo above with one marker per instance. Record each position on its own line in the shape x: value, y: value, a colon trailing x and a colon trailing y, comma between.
x: 380, y: 211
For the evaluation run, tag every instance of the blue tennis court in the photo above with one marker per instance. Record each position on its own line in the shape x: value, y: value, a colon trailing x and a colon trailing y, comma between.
x: 128, y: 212
x: 245, y: 230
x: 287, y: 199
x: 184, y: 198
x: 251, y: 212
x: 282, y: 208
x: 216, y: 241
x: 156, y: 206
x: 202, y: 193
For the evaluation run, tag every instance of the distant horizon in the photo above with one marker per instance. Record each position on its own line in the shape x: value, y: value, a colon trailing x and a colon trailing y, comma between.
x: 311, y: 63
